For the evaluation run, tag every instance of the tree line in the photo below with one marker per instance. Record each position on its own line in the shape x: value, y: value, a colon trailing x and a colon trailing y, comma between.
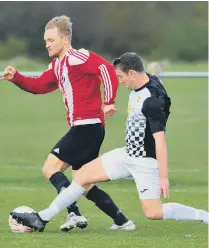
x: 156, y: 30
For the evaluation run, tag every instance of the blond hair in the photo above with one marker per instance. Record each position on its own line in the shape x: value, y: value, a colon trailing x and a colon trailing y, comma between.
x: 63, y: 24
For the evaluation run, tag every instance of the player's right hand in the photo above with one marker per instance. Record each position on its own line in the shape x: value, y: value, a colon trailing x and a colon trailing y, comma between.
x: 9, y: 73
x: 164, y: 187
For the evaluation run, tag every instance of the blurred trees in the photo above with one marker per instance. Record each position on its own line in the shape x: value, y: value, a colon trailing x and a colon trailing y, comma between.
x: 175, y: 30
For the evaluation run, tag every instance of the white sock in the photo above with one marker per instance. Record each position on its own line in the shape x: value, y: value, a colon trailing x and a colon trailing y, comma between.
x: 179, y: 212
x: 63, y: 200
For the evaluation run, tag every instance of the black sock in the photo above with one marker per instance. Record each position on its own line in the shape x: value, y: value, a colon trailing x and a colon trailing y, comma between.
x: 104, y: 202
x: 60, y: 182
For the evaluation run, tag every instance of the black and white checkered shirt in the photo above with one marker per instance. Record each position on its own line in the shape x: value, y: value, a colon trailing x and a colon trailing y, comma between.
x: 148, y: 111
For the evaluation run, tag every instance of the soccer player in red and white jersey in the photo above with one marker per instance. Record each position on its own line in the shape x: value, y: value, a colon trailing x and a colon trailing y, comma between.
x: 78, y: 75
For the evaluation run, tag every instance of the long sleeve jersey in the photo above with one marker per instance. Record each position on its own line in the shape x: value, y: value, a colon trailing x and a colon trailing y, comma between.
x: 78, y: 75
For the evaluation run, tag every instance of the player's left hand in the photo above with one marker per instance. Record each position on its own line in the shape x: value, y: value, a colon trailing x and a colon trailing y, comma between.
x: 164, y: 187
x: 110, y: 110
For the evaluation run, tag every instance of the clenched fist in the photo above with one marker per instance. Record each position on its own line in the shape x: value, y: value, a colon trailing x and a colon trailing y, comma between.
x: 9, y: 73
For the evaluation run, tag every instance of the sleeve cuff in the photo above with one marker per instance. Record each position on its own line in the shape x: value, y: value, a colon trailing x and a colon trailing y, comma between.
x: 109, y: 103
x: 16, y: 77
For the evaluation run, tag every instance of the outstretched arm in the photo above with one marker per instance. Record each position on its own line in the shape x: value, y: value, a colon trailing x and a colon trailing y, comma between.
x: 44, y: 84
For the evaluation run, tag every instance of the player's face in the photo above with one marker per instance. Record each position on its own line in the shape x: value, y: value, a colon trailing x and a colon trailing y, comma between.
x: 54, y: 42
x: 125, y: 78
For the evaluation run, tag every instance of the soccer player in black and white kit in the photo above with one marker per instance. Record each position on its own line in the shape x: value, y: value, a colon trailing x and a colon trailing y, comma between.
x: 144, y: 156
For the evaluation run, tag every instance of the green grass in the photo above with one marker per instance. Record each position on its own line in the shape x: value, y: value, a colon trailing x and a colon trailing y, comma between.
x: 30, y: 125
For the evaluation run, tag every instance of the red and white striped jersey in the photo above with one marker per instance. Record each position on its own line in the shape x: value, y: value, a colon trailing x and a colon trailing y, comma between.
x: 78, y: 75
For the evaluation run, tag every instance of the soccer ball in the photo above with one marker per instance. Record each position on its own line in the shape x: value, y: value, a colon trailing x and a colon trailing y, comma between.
x: 17, y: 227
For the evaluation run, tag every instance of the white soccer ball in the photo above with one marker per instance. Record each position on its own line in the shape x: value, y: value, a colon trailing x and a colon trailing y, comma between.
x: 17, y: 227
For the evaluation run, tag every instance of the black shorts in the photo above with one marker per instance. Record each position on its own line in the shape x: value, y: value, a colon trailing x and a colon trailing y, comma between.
x: 80, y: 145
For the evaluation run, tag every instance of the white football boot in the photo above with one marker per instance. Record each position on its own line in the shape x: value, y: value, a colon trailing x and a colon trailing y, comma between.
x: 73, y: 221
x: 129, y: 225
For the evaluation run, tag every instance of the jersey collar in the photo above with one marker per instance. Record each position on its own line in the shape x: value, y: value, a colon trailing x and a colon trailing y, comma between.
x: 143, y: 86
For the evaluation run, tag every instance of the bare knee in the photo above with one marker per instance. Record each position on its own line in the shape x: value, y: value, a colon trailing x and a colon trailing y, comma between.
x: 152, y: 214
x: 82, y: 177
x: 152, y: 209
x: 53, y: 165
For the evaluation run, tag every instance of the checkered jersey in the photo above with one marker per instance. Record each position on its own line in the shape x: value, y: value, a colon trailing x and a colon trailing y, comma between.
x: 135, y: 134
x: 148, y: 110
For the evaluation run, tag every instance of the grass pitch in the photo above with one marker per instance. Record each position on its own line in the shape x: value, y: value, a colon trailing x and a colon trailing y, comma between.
x: 30, y: 125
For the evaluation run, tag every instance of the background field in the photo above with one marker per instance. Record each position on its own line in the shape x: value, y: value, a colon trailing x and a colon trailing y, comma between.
x: 30, y: 125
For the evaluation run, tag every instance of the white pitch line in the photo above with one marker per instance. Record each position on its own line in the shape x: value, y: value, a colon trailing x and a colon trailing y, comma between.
x: 189, y: 191
x: 175, y: 190
x: 186, y: 121
x: 21, y: 167
x: 179, y: 170
x: 38, y: 167
x: 124, y: 190
x: 14, y: 188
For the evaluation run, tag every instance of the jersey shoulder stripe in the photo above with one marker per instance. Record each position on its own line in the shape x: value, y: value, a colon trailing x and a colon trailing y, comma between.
x: 78, y: 57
